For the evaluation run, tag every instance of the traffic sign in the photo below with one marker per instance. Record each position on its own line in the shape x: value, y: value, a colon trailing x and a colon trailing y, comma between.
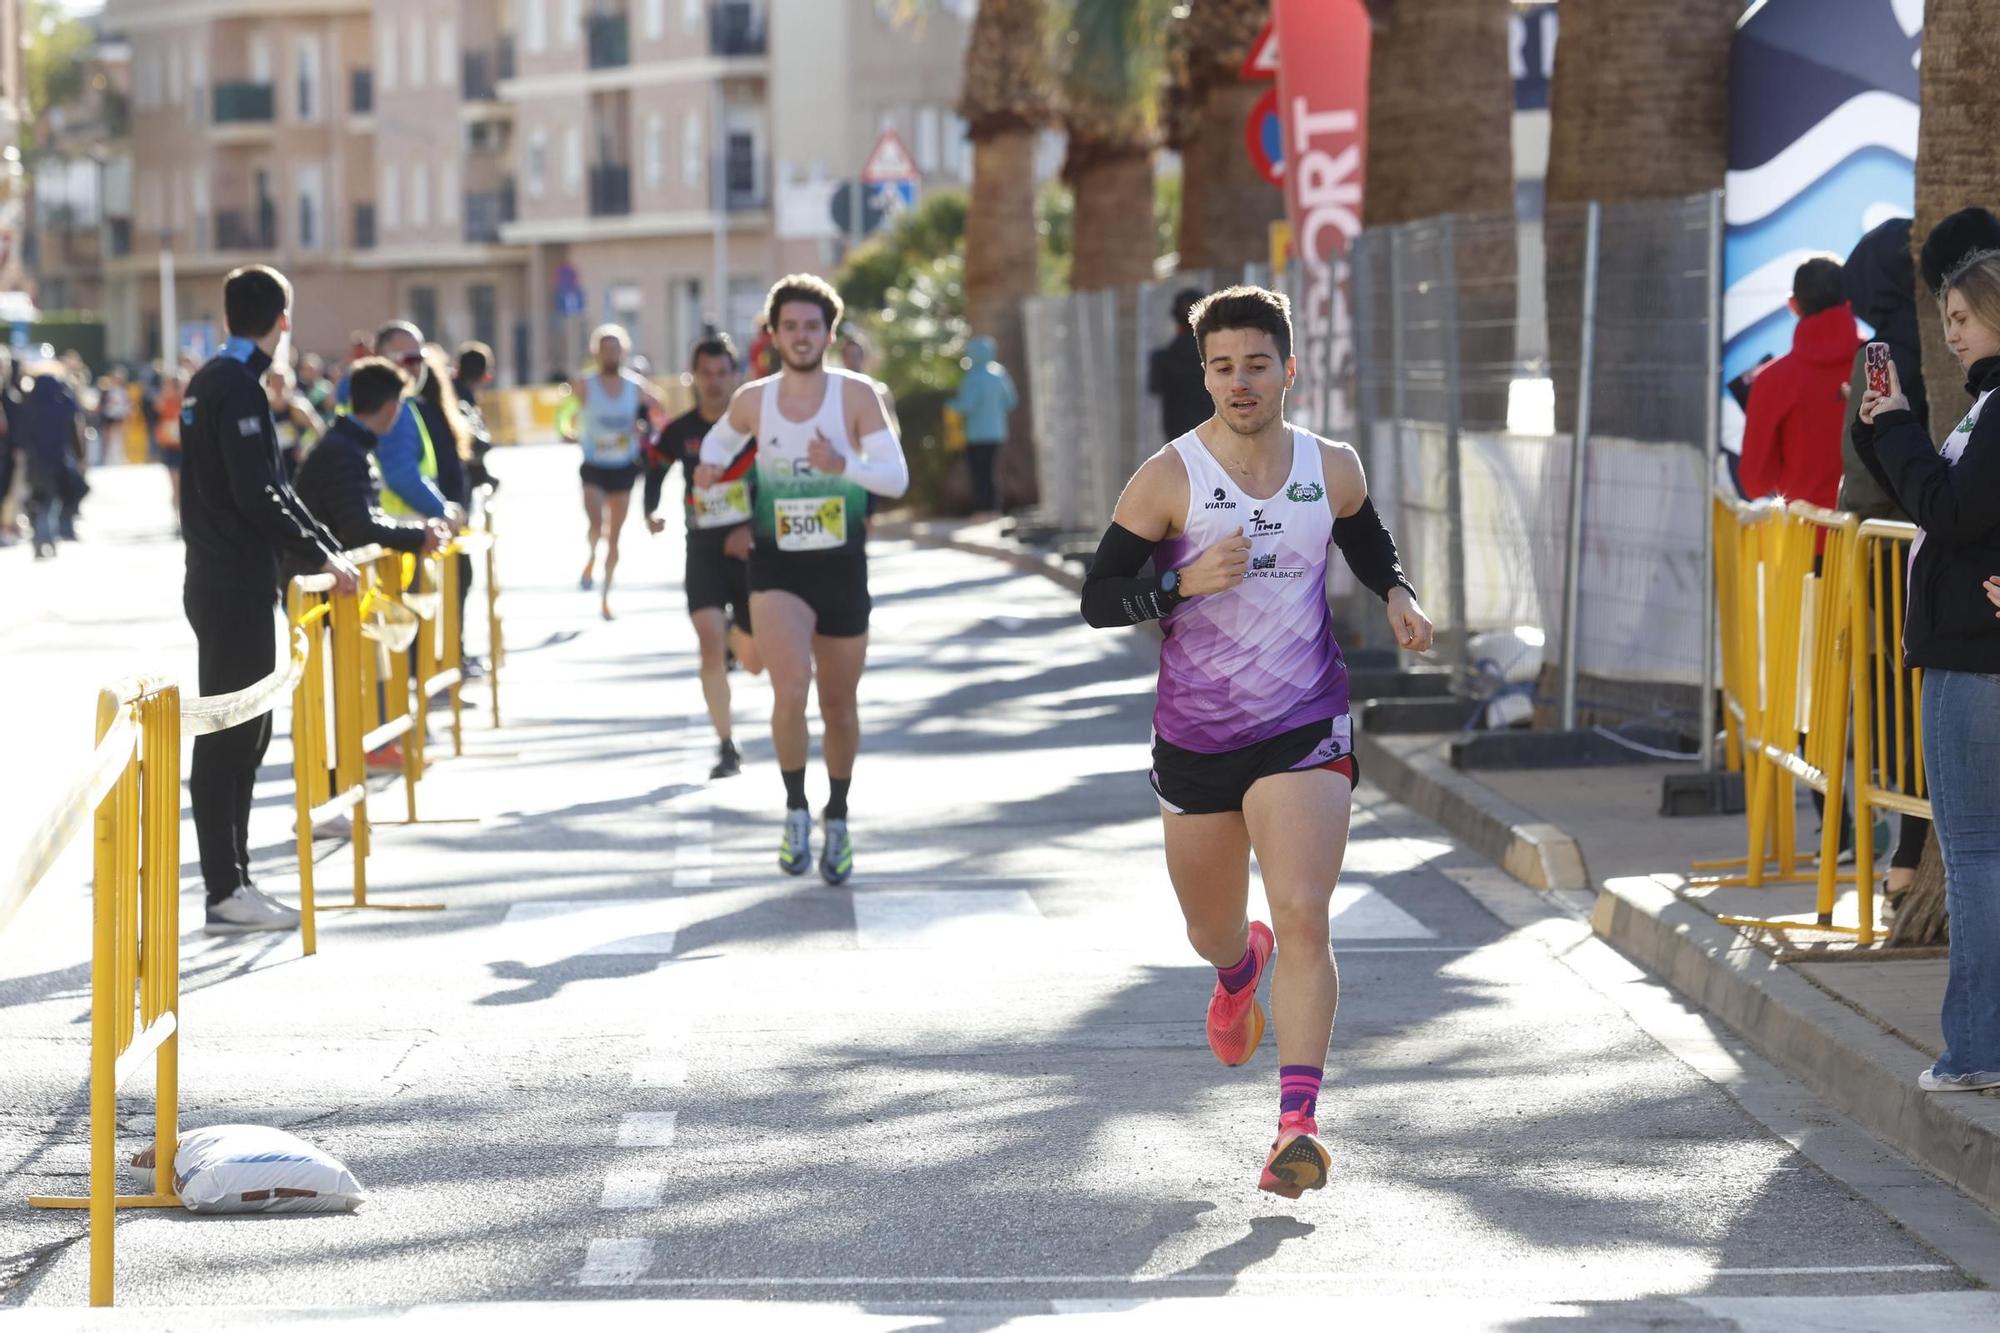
x: 892, y: 199
x: 1264, y: 137
x: 1262, y: 62
x: 889, y: 161
x: 569, y: 291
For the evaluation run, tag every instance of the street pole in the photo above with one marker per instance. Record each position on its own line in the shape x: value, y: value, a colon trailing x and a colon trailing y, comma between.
x: 170, y: 315
x: 1712, y: 448
x: 719, y: 192
x: 1579, y: 451
x: 1460, y: 601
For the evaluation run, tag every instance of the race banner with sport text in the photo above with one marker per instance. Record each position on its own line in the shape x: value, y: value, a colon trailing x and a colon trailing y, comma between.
x: 1323, y: 50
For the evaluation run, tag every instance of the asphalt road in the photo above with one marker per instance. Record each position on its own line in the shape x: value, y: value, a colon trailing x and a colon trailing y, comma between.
x: 633, y: 1064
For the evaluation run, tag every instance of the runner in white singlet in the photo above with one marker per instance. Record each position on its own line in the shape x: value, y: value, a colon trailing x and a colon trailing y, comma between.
x: 1253, y: 747
x: 607, y: 412
x: 823, y: 447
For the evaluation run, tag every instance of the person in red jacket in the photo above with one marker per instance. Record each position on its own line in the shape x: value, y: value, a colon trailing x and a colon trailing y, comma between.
x: 1798, y: 406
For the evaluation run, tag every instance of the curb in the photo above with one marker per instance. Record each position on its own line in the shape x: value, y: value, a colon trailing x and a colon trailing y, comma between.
x: 1514, y: 838
x: 1841, y: 1053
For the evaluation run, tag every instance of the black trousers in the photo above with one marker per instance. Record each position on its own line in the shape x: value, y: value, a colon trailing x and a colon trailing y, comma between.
x: 981, y: 459
x: 237, y: 646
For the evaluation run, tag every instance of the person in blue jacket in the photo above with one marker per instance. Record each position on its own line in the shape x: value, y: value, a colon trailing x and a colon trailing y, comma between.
x: 985, y: 396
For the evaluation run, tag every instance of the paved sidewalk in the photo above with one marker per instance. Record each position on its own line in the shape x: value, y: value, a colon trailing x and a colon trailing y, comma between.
x: 1638, y: 867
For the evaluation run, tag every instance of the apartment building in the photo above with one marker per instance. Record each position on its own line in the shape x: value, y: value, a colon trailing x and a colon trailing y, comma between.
x: 513, y: 170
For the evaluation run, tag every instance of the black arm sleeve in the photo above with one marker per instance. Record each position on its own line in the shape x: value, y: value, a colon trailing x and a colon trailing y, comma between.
x: 656, y: 476
x: 1113, y: 594
x: 1370, y: 551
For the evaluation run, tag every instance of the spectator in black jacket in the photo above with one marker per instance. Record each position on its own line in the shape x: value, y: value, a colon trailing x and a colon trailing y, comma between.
x: 337, y: 481
x: 1174, y: 375
x: 240, y: 518
x: 1953, y: 493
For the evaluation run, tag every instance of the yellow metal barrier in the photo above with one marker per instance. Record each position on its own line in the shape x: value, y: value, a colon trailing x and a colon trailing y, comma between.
x: 1809, y: 642
x: 135, y: 947
x: 1749, y: 541
x: 1888, y: 718
x: 133, y: 785
x: 496, y: 642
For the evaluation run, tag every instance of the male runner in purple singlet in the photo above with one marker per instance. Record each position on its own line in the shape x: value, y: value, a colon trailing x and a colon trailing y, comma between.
x: 1253, y: 746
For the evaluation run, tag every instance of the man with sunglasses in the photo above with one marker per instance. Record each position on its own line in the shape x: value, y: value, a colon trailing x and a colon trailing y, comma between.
x: 406, y: 453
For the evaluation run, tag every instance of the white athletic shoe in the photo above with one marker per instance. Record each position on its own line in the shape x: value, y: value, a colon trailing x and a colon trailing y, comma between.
x: 1932, y: 1081
x: 247, y: 910
x: 796, y: 852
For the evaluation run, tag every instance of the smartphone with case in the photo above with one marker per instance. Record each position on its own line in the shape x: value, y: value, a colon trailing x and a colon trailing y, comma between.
x: 1878, y: 367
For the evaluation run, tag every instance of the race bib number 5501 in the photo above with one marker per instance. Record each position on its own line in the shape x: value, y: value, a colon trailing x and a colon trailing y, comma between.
x: 812, y: 524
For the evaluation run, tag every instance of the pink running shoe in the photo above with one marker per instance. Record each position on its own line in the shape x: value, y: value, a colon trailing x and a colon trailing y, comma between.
x: 1298, y: 1160
x: 1236, y: 1022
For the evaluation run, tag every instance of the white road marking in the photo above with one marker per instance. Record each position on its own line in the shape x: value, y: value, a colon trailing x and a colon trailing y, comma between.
x: 1362, y: 912
x: 633, y: 1189
x: 980, y: 919
x: 647, y: 1129
x: 665, y: 1072
x: 1694, y: 1274
x: 550, y: 930
x: 692, y: 859
x: 615, y: 1263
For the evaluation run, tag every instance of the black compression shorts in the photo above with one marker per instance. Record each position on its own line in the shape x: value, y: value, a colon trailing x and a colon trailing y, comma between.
x: 834, y: 586
x: 716, y: 580
x: 613, y: 480
x: 1189, y: 782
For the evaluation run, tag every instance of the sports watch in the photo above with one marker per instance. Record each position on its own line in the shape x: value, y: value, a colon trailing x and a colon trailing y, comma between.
x: 1170, y: 589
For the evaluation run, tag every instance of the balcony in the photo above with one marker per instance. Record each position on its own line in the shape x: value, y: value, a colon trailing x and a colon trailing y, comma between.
x: 736, y: 28
x: 244, y: 104
x: 486, y: 213
x: 610, y: 191
x: 361, y: 92
x: 236, y: 229
x: 609, y: 40
x: 364, y: 226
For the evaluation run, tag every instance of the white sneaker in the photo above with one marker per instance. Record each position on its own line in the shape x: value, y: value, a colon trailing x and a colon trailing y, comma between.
x: 1932, y: 1081
x: 246, y: 910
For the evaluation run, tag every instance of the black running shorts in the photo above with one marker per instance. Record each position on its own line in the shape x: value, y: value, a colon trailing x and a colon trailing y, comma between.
x: 716, y: 580
x: 834, y: 586
x: 615, y: 480
x: 1189, y: 782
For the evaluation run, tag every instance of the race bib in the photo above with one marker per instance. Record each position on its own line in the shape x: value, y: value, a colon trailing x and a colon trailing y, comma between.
x: 811, y: 524
x: 615, y: 446
x: 722, y: 506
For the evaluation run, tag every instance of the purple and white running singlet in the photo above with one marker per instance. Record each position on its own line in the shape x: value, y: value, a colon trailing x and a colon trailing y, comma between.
x: 1241, y: 666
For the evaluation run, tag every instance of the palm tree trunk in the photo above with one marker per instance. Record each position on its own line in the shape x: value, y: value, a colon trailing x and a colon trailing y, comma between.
x: 1006, y: 99
x: 1638, y: 109
x: 1422, y: 164
x: 1957, y: 162
x: 1115, y: 240
x: 1002, y: 257
x: 1227, y: 207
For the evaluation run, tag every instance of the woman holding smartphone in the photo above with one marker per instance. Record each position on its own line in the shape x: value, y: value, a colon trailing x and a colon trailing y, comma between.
x: 1953, y: 493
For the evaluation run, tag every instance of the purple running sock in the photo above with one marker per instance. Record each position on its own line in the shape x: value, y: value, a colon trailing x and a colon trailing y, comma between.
x: 1236, y: 978
x: 1298, y: 1088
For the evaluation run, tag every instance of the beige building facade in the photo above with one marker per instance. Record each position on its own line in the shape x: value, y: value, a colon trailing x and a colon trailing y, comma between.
x: 512, y: 170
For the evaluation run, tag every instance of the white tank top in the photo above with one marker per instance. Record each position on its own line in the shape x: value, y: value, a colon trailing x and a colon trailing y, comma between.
x: 800, y: 511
